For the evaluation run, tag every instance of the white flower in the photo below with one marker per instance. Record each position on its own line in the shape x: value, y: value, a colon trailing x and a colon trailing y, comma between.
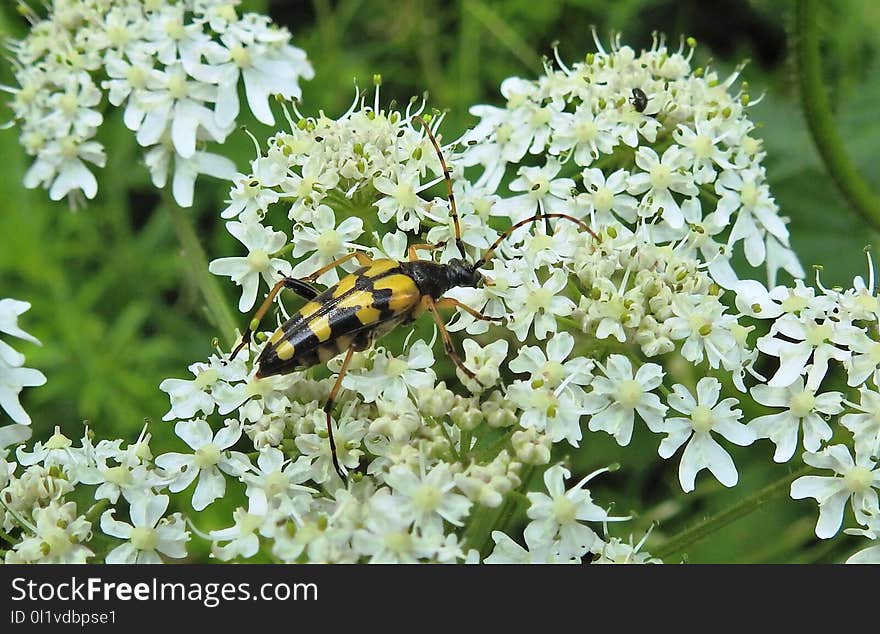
x: 802, y: 338
x: 56, y: 451
x: 706, y: 415
x: 401, y: 200
x: 10, y: 310
x: 210, y: 460
x: 549, y: 367
x: 543, y: 192
x: 559, y: 514
x: 554, y: 411
x: 261, y: 243
x: 854, y: 481
x: 704, y: 144
x: 616, y: 551
x: 348, y: 433
x: 803, y: 408
x: 10, y: 435
x: 701, y: 321
x: 259, y: 53
x: 488, y: 299
x: 12, y: 381
x: 158, y: 160
x: 605, y: 198
x: 242, y: 538
x: 659, y: 178
x: 327, y: 242
x: 175, y: 70
x: 427, y: 498
x: 871, y: 554
x: 539, y: 303
x: 484, y: 361
x: 277, y: 481
x: 387, y: 535
x: 865, y: 424
x: 508, y: 551
x: 56, y: 537
x: 588, y: 135
x: 618, y: 395
x: 392, y: 377
x: 148, y: 535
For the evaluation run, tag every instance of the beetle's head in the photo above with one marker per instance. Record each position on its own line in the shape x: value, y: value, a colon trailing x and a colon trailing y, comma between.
x: 463, y: 273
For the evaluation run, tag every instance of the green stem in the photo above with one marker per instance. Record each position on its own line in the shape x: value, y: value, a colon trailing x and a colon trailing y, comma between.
x: 688, y: 536
x: 196, y: 263
x: 93, y: 513
x: 820, y: 119
x: 7, y: 538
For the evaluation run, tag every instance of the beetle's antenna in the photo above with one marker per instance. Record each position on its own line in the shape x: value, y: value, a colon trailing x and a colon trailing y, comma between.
x: 453, y: 210
x: 488, y: 253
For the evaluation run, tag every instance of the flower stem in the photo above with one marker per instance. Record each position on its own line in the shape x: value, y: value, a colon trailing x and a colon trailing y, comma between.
x: 93, y: 513
x: 7, y: 538
x: 820, y: 119
x: 196, y: 263
x: 688, y: 536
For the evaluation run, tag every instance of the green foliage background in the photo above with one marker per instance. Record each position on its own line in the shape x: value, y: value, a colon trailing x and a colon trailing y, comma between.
x: 116, y: 313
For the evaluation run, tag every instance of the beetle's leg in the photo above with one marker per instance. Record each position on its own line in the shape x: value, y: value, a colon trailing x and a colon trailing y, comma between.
x: 362, y: 258
x: 328, y: 408
x: 453, y: 210
x: 300, y: 287
x: 451, y: 302
x: 414, y: 257
x: 430, y: 305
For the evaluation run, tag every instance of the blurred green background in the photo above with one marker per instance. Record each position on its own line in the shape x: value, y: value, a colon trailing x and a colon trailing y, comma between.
x: 116, y: 314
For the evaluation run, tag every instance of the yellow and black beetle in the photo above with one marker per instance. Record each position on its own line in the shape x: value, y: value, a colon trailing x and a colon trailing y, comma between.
x: 367, y: 304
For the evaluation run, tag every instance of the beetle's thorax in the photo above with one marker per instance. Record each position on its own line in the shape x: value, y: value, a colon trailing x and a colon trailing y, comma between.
x: 434, y: 279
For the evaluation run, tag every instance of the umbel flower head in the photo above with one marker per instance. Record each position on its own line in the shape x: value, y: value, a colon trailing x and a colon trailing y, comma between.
x: 636, y: 326
x: 174, y: 67
x: 647, y: 280
x: 685, y: 163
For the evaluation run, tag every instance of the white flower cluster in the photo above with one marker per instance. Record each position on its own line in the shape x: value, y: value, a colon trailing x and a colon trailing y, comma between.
x: 39, y: 496
x: 642, y: 320
x: 686, y: 163
x: 422, y: 484
x: 325, y: 176
x: 174, y: 66
x: 820, y: 336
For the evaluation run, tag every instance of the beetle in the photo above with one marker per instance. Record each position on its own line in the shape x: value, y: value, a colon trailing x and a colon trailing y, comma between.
x: 370, y: 302
x: 639, y: 99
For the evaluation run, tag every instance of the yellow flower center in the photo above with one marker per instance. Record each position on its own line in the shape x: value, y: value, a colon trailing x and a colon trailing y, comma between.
x: 206, y: 378
x: 629, y: 393
x: 241, y: 56
x: 329, y: 243
x: 660, y: 176
x: 819, y: 334
x: 119, y: 475
x: 207, y: 456
x: 258, y: 260
x: 427, y: 498
x: 564, y: 510
x: 802, y: 403
x: 702, y: 419
x: 858, y: 479
x: 603, y: 199
x: 144, y: 538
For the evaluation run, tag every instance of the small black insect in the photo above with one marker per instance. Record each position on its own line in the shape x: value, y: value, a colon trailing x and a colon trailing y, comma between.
x: 639, y: 100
